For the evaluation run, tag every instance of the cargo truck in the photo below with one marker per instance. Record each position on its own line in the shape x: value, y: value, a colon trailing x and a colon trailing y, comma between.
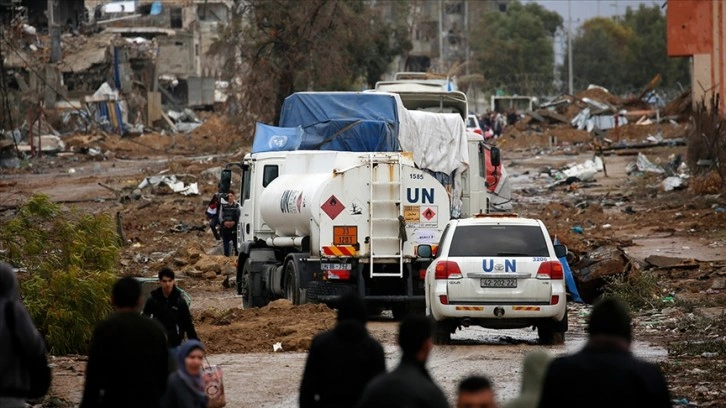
x: 346, y: 207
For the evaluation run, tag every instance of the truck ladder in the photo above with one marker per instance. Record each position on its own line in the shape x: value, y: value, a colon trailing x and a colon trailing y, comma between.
x: 384, y: 208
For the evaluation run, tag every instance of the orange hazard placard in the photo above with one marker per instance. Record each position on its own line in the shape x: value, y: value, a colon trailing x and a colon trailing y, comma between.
x: 345, y: 235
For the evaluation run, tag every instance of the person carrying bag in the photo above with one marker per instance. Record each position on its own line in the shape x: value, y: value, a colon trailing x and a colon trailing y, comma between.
x: 24, y: 370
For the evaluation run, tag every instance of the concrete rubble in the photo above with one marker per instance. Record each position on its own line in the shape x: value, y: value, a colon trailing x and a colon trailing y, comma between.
x: 129, y: 70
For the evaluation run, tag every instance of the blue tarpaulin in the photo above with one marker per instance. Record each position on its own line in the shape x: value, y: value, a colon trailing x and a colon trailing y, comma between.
x: 345, y: 121
x: 569, y: 279
x: 272, y: 138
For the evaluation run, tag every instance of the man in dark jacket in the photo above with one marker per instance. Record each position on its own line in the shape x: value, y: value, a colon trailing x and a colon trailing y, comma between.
x: 229, y: 218
x: 604, y: 373
x: 168, y: 307
x: 128, y: 361
x: 410, y: 384
x: 341, y: 361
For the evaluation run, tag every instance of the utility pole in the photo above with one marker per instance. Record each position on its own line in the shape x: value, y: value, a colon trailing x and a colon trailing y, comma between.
x: 569, y: 47
x: 442, y: 59
x: 54, y: 31
x: 466, y: 31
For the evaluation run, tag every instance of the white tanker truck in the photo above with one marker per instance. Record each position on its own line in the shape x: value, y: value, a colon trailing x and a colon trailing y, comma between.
x: 316, y: 224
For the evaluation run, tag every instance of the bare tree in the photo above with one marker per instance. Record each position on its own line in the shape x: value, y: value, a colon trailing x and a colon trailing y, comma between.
x: 282, y: 46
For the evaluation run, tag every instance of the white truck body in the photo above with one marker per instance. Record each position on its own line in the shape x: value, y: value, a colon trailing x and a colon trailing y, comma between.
x: 317, y: 224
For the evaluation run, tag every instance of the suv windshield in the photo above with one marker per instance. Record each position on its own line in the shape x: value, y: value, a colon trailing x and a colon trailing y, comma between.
x: 498, y: 240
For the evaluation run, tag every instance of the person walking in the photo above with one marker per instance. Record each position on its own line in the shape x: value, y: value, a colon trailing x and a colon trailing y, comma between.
x: 534, y: 370
x: 229, y: 218
x: 167, y: 305
x: 409, y: 385
x: 341, y: 361
x: 185, y: 388
x: 128, y: 360
x: 475, y: 392
x: 19, y: 342
x: 605, y: 373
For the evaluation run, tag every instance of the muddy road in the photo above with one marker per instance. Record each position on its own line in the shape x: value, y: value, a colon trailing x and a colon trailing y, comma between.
x: 266, y: 379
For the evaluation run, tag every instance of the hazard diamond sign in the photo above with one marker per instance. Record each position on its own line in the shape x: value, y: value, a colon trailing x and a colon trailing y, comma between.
x: 333, y: 207
x: 428, y: 214
x: 429, y: 217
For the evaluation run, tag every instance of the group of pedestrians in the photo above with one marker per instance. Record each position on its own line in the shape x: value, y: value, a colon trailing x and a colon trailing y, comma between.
x: 346, y: 368
x: 141, y: 359
x: 223, y: 212
x: 138, y: 359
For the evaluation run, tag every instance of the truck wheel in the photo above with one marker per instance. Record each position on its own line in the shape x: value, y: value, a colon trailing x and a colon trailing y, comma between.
x: 251, y: 287
x: 292, y: 286
x: 400, y: 310
x: 240, y: 267
x: 441, y: 333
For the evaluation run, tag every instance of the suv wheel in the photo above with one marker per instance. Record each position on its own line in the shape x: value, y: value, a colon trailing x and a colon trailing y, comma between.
x: 441, y: 333
x: 552, y: 332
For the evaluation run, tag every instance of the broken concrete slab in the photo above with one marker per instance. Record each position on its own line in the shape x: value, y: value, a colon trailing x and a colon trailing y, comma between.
x: 661, y: 261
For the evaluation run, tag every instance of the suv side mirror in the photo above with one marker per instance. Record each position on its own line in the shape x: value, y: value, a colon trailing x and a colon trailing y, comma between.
x: 560, y: 250
x: 424, y: 251
x: 495, y: 157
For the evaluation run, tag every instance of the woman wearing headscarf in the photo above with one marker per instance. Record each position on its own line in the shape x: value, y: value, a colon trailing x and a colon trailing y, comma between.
x: 185, y: 388
x: 19, y: 339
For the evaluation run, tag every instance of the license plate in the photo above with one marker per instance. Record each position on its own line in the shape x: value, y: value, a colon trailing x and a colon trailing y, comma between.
x: 336, y: 267
x: 498, y: 283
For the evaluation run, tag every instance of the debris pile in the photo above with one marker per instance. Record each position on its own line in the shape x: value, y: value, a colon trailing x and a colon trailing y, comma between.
x: 608, y: 122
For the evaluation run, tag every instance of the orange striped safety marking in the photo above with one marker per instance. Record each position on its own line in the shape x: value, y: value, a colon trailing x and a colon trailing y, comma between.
x: 470, y: 308
x: 339, y: 250
x: 527, y: 308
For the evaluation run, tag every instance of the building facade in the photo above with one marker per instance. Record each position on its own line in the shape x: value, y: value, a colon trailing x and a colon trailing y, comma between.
x: 697, y: 29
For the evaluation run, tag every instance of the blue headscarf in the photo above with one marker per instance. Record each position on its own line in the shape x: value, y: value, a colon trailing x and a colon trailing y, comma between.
x: 195, y: 382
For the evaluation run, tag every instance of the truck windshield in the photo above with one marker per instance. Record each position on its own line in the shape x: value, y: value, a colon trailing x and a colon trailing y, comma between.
x: 498, y: 240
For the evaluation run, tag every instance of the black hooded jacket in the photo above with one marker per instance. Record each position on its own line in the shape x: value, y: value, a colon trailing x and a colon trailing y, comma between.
x: 604, y: 374
x: 173, y: 313
x: 339, y: 365
x: 408, y: 386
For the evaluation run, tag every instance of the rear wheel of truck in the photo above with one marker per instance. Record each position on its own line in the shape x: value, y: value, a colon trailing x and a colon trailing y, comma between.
x: 251, y: 287
x: 292, y: 283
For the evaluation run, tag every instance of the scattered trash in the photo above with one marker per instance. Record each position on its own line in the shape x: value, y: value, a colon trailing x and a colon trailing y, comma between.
x: 646, y: 165
x: 577, y: 229
x: 673, y: 183
x: 172, y: 182
x: 668, y: 299
x: 277, y: 347
x: 707, y: 354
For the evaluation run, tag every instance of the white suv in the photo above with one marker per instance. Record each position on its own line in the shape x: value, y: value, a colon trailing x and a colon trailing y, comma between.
x: 497, y: 271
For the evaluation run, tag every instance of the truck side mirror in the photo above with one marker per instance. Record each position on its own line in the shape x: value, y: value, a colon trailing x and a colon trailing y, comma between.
x: 495, y: 156
x: 560, y: 250
x: 225, y: 181
x: 424, y: 251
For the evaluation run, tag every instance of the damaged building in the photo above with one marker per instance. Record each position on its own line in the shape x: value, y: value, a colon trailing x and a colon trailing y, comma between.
x: 120, y: 66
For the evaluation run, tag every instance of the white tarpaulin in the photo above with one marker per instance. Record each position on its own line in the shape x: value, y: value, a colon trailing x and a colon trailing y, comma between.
x: 438, y: 142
